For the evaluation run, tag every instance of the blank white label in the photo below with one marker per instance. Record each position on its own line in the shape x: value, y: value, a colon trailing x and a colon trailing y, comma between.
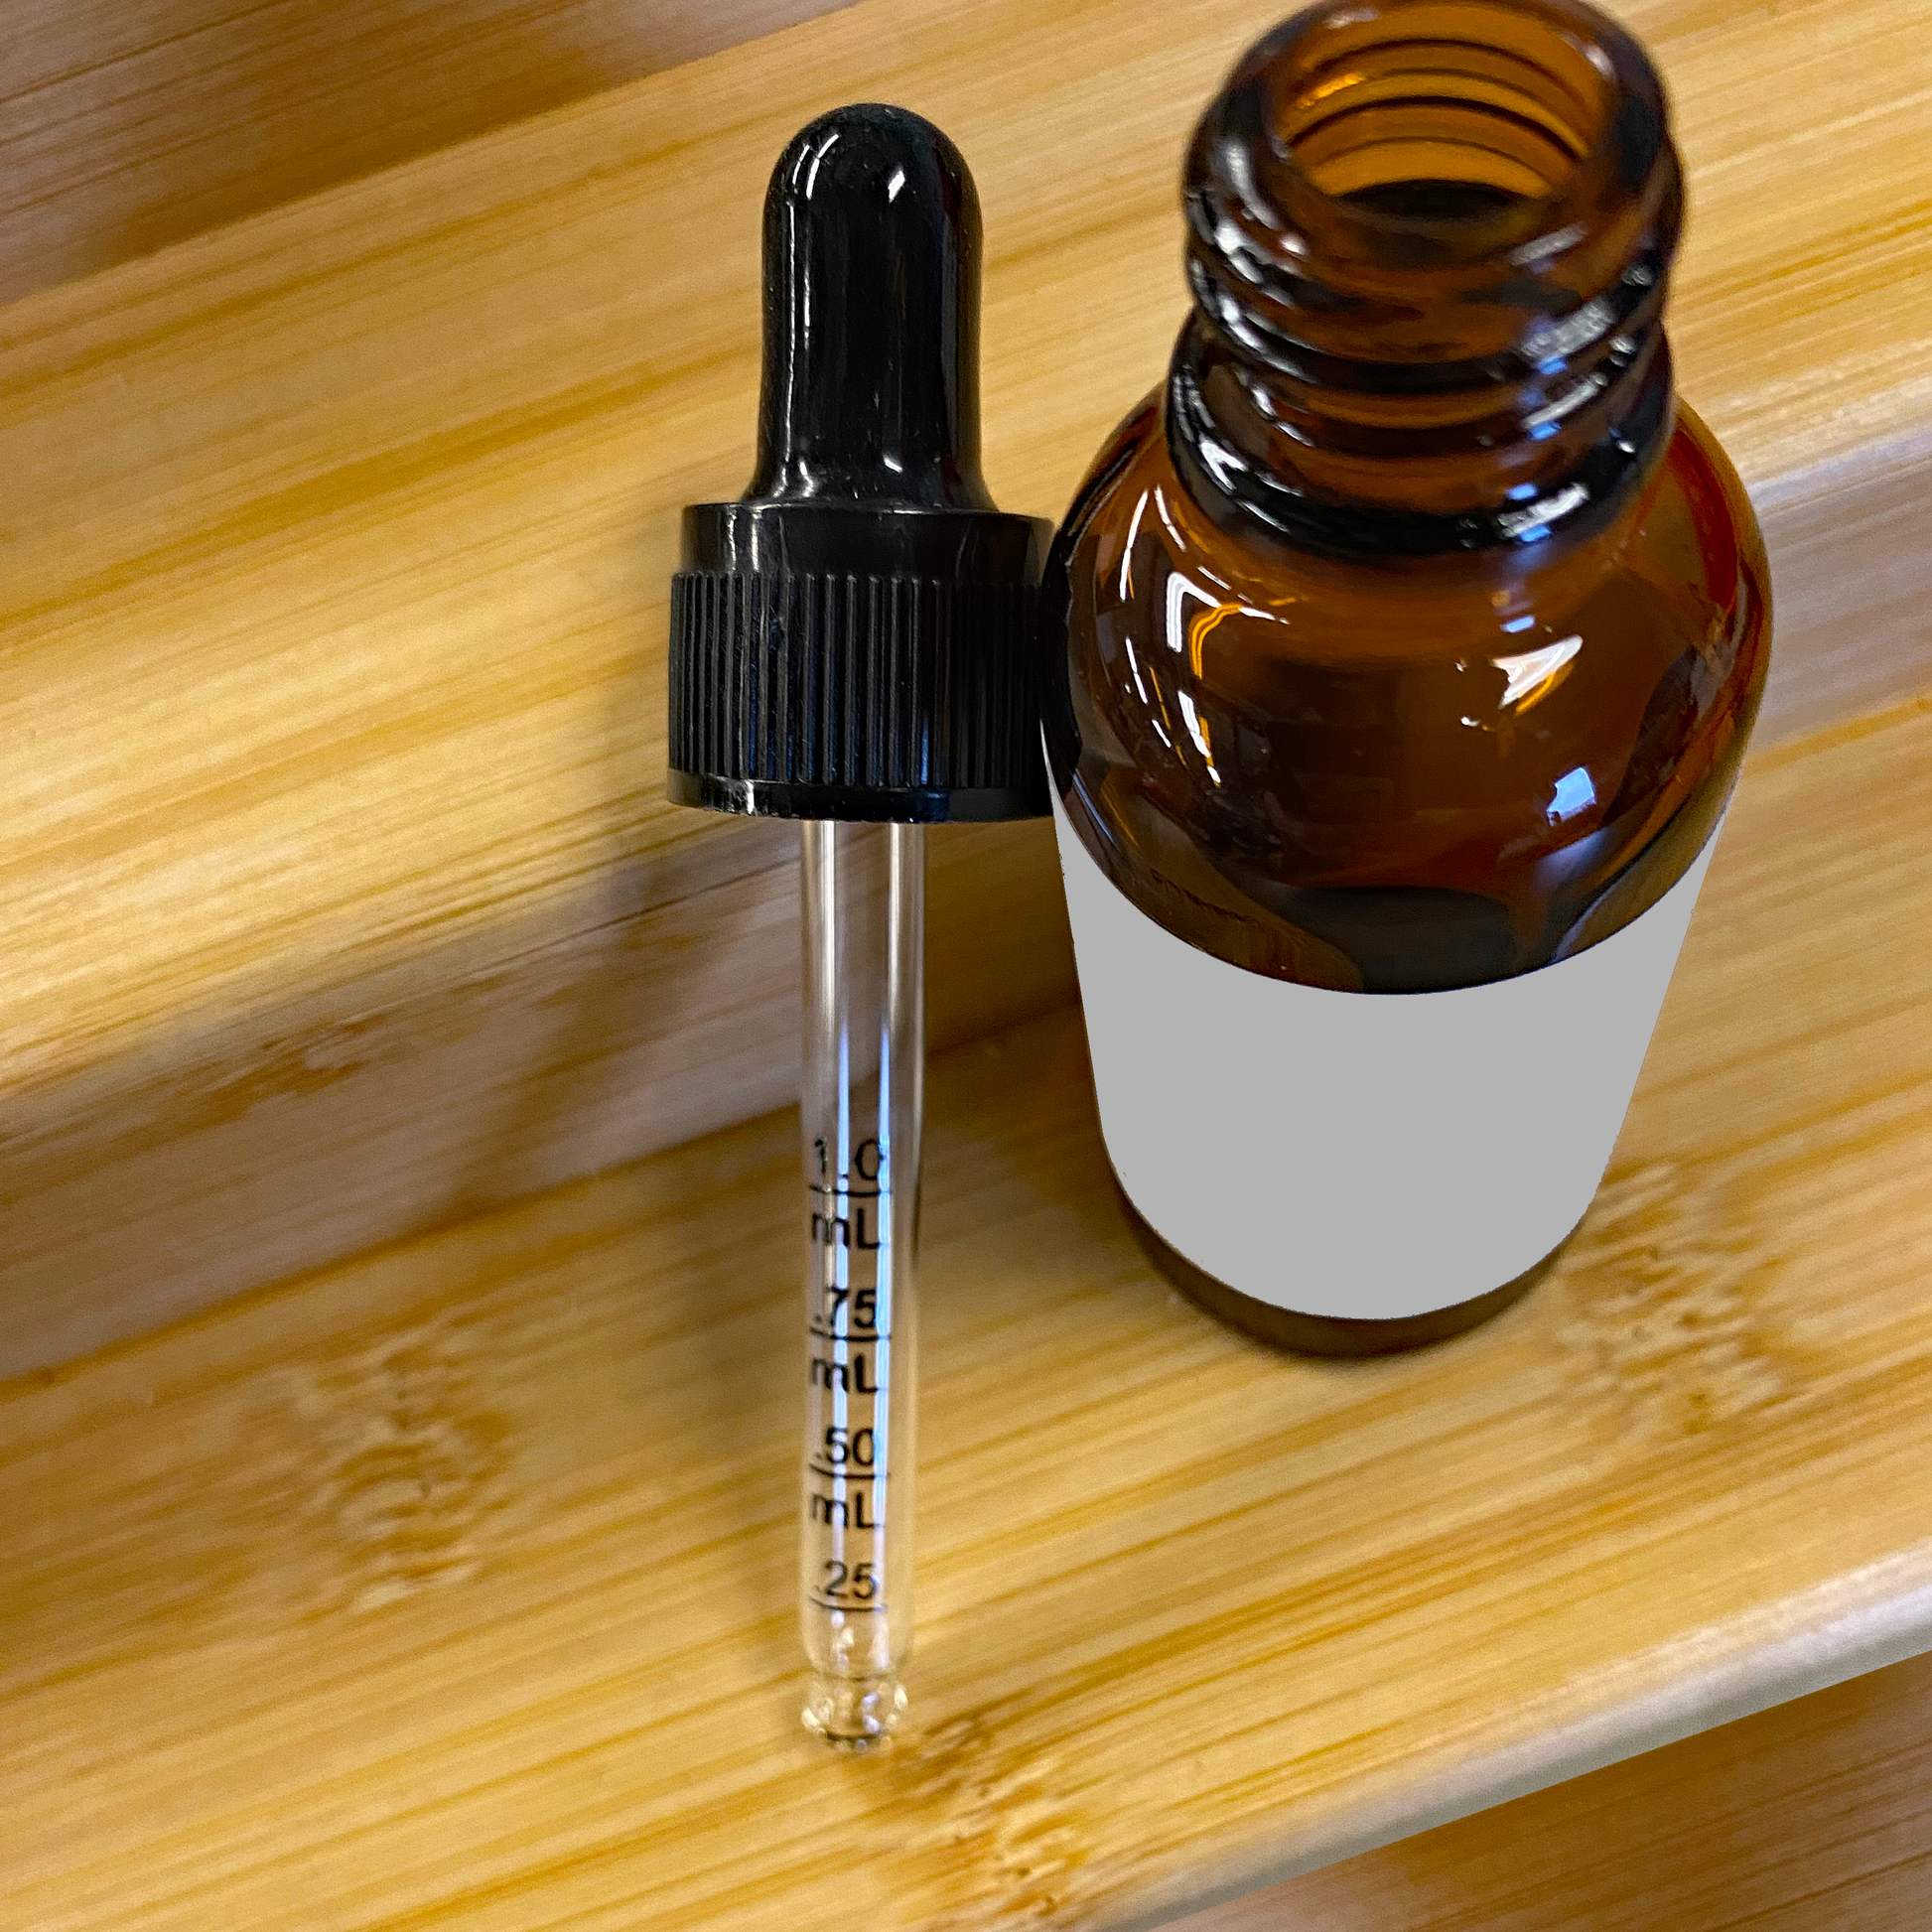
x: 1366, y: 1154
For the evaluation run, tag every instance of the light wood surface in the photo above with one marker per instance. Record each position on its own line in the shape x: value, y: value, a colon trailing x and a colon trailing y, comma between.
x: 129, y: 127
x: 453, y: 1587
x: 1811, y: 1816
x: 341, y: 894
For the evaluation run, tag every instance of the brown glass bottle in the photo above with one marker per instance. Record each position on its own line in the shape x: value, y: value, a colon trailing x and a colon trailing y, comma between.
x: 1413, y: 630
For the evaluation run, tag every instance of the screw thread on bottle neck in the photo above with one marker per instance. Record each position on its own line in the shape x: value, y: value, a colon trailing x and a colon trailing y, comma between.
x: 1428, y: 247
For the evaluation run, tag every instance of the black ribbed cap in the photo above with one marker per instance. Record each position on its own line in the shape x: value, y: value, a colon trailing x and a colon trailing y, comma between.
x: 854, y: 638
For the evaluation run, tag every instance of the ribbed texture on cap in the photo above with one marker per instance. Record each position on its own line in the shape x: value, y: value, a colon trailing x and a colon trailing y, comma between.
x: 887, y: 683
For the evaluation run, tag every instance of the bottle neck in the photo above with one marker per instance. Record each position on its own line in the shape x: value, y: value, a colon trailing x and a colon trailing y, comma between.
x: 1428, y: 247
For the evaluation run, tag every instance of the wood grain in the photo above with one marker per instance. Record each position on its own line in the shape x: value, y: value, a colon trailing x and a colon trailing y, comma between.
x: 1813, y: 1816
x: 129, y: 128
x: 343, y: 895
x: 239, y: 1145
x: 452, y: 1586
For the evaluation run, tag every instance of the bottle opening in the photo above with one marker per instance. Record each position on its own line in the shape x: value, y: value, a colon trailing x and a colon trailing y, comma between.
x: 1459, y: 126
x: 1439, y: 114
x: 1429, y: 242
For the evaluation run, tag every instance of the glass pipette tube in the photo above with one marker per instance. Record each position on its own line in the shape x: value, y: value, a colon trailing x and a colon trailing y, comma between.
x: 861, y: 1101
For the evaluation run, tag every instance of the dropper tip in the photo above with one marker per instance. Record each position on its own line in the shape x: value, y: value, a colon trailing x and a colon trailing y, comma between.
x: 856, y: 1714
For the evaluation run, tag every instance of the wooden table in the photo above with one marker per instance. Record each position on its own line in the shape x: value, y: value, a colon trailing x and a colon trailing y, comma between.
x: 389, y: 1070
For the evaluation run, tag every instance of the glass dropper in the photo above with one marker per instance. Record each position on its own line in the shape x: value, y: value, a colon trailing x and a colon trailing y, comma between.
x: 860, y: 1099
x: 852, y: 646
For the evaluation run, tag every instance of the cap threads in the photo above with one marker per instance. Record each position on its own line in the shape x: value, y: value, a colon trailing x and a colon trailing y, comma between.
x: 790, y: 690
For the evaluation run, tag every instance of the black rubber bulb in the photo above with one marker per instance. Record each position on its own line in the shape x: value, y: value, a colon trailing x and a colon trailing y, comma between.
x: 853, y: 638
x: 872, y: 259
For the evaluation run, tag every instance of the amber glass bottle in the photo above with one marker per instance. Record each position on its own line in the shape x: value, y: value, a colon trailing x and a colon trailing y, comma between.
x: 1413, y: 633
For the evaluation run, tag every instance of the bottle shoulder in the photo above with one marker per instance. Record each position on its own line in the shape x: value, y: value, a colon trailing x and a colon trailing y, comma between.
x: 1482, y: 745
x: 1690, y: 534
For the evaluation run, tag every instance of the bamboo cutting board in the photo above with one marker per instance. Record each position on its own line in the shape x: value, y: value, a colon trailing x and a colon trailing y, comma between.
x: 449, y: 1584
x: 342, y: 900
x: 453, y: 1587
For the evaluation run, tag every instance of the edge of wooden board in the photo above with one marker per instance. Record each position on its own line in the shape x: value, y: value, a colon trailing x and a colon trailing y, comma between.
x: 213, y: 114
x: 1747, y: 1819
x: 1878, y: 1617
